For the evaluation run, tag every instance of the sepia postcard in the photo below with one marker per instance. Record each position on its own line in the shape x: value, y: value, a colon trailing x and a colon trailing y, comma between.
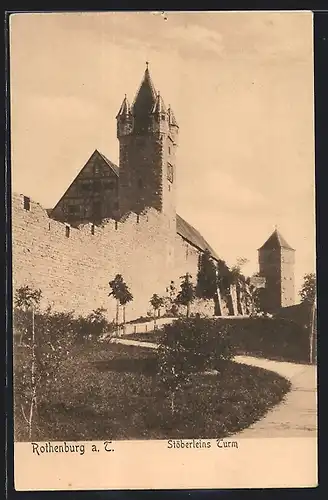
x: 163, y: 249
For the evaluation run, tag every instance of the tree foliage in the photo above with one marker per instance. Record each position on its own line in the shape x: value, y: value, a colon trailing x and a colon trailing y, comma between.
x: 156, y: 302
x: 27, y: 297
x: 169, y: 299
x: 308, y: 289
x: 186, y: 294
x: 121, y: 293
x: 188, y: 346
x: 206, y: 287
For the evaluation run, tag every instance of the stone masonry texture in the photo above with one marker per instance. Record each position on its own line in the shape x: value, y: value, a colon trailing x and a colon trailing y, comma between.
x: 73, y: 266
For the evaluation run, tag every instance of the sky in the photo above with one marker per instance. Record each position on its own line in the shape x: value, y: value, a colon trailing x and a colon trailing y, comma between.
x: 240, y: 85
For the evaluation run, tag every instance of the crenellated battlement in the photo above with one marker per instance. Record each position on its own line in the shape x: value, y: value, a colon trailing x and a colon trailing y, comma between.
x: 32, y: 212
x: 73, y: 265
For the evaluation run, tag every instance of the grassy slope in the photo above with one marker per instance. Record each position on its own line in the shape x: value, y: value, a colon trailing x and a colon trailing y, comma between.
x: 111, y: 392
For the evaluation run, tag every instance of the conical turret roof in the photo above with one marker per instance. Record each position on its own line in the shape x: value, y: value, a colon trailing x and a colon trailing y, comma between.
x: 159, y: 106
x: 172, y: 120
x: 275, y: 242
x: 125, y: 108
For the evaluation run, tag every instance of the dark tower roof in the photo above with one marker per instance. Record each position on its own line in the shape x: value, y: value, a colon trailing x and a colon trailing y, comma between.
x: 275, y: 242
x: 146, y: 96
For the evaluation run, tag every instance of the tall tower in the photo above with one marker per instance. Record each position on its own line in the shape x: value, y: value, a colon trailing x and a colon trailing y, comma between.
x: 276, y: 264
x: 147, y: 132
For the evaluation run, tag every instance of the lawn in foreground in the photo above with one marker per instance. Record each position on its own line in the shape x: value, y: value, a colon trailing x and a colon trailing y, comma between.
x: 111, y: 391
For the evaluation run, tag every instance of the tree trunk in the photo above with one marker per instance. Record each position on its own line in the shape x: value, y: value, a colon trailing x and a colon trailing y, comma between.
x: 188, y: 309
x: 155, y: 325
x: 33, y: 384
x: 219, y: 301
x: 117, y: 316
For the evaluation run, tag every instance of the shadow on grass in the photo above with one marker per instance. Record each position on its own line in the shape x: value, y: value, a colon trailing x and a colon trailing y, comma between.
x: 145, y: 366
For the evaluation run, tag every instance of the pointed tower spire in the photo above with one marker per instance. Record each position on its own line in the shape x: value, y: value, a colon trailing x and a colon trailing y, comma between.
x: 125, y: 108
x: 172, y: 120
x: 159, y: 106
x: 146, y: 95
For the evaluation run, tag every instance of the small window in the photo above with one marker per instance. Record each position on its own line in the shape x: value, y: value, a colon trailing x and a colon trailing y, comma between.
x: 68, y: 230
x: 96, y: 170
x: 92, y: 229
x: 116, y: 224
x: 27, y: 203
x: 169, y: 150
x: 138, y: 218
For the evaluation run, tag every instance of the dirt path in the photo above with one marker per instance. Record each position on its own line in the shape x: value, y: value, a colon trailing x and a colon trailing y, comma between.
x: 296, y: 415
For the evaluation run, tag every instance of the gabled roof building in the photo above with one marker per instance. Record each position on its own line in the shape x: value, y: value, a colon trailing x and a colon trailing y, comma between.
x: 146, y: 177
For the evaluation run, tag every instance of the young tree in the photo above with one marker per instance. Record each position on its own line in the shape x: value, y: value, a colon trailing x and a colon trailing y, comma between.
x: 308, y: 289
x: 27, y: 300
x: 189, y: 346
x: 125, y: 297
x: 186, y: 294
x: 156, y: 302
x: 116, y: 288
x: 121, y: 293
x: 170, y: 299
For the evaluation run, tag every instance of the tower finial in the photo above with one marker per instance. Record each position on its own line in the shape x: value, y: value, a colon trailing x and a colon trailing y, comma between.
x: 147, y: 64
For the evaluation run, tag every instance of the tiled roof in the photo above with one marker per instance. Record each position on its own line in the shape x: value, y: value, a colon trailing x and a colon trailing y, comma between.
x: 109, y: 163
x: 275, y: 242
x: 190, y: 234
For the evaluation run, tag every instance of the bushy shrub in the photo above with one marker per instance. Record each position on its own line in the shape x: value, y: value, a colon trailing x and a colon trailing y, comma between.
x: 188, y: 346
x: 201, y: 342
x: 95, y: 325
x: 47, y: 341
x: 273, y: 338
